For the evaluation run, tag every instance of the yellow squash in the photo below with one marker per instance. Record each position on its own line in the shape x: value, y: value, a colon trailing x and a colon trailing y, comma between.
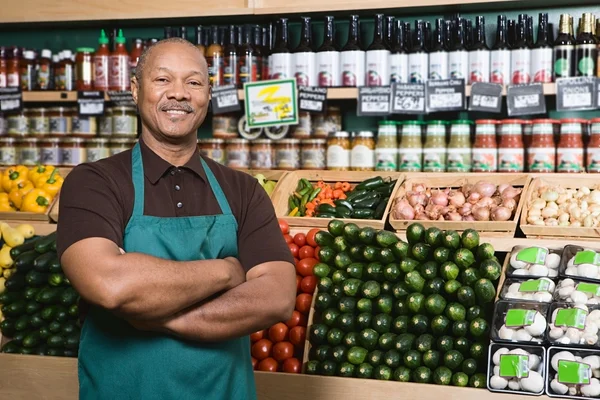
x: 26, y: 230
x: 6, y: 260
x: 11, y: 236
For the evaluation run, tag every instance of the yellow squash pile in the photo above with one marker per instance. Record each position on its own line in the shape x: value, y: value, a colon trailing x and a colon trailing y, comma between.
x: 29, y: 189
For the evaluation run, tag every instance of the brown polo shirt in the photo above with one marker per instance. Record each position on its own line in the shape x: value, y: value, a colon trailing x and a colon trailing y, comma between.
x: 96, y: 200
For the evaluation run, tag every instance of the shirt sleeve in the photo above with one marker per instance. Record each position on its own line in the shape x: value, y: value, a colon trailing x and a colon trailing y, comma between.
x: 259, y: 237
x: 90, y: 206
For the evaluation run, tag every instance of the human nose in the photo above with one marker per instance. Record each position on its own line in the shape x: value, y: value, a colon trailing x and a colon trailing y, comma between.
x: 178, y: 91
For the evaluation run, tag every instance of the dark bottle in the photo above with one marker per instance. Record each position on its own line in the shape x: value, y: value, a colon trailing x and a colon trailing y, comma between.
x: 407, y: 36
x: 520, y: 57
x: 428, y: 35
x: 240, y: 36
x: 328, y: 57
x: 468, y: 33
x: 304, y: 58
x: 183, y: 33
x: 418, y: 60
x: 352, y: 57
x: 378, y: 54
x: 448, y: 37
x: 257, y: 42
x: 438, y: 54
x: 214, y: 58
x: 247, y: 62
x: 230, y: 58
x: 200, y: 38
x: 281, y: 57
x: 479, y: 54
x: 500, y: 55
x: 458, y: 57
x: 168, y: 32
x: 389, y: 31
x: 399, y: 56
x: 511, y: 37
x: 586, y: 48
x: 541, y: 54
x: 529, y: 32
x: 267, y: 47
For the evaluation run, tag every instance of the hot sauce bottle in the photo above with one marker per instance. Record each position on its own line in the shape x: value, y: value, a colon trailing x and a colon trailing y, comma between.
x: 214, y: 58
x: 230, y: 60
x: 13, y: 78
x: 247, y: 62
x: 119, y: 77
x: 101, y: 65
x: 136, y: 53
x: 2, y: 67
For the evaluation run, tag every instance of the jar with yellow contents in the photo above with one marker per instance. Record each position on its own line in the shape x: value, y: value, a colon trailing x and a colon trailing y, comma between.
x: 28, y: 152
x: 96, y: 149
x: 213, y: 149
x: 362, y: 156
x: 338, y: 151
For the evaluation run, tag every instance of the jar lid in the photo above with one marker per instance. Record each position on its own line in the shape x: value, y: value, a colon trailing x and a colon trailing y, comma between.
x: 237, y: 141
x: 387, y: 122
x: 123, y: 141
x: 314, y: 141
x: 27, y: 140
x: 595, y: 121
x: 512, y: 121
x: 462, y: 122
x: 277, y: 132
x: 411, y: 122
x: 246, y: 132
x: 437, y: 122
x: 85, y: 50
x: 126, y: 108
x: 211, y: 141
x: 544, y: 121
x: 37, y: 109
x: 73, y: 140
x: 340, y: 134
x: 570, y: 121
x: 365, y: 134
x: 50, y: 140
x: 289, y: 141
x: 262, y: 141
x: 98, y: 141
x: 486, y: 122
x: 61, y: 109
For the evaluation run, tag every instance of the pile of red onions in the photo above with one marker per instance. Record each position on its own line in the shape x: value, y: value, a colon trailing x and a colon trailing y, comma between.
x: 483, y: 201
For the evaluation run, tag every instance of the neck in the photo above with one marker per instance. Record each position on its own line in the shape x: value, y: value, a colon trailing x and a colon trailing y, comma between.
x: 177, y: 153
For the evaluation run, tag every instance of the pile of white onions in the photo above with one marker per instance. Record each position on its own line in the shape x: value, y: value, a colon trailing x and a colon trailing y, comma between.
x: 483, y: 201
x: 557, y: 206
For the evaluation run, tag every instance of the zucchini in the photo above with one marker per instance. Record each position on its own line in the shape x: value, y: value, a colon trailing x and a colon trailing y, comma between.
x: 325, y: 215
x: 325, y: 209
x: 343, y: 203
x: 343, y: 212
x: 24, y: 262
x: 364, y: 197
x: 46, y: 243
x: 380, y: 209
x: 363, y: 213
x: 54, y: 265
x: 371, y: 202
x: 387, y: 189
x: 17, y: 251
x: 42, y: 262
x: 370, y: 184
x: 356, y: 193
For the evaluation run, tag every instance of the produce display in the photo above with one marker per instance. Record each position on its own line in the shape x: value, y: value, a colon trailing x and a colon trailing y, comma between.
x: 564, y: 376
x: 517, y: 368
x: 29, y: 189
x: 540, y: 290
x: 553, y: 205
x: 366, y: 200
x: 519, y: 322
x: 574, y: 324
x: 483, y: 201
x: 266, y: 184
x: 390, y: 310
x: 578, y: 292
x: 533, y: 261
x: 581, y: 263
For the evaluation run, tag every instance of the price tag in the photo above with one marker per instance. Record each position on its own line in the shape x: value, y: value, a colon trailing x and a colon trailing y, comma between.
x: 576, y: 93
x: 525, y: 99
x: 533, y: 255
x: 90, y: 103
x: 11, y: 99
x: 446, y: 95
x: 592, y: 288
x: 225, y: 99
x: 571, y: 317
x: 536, y: 285
x: 573, y: 372
x: 271, y: 103
x: 518, y: 318
x: 408, y: 98
x: 312, y: 99
x: 514, y: 366
x: 587, y: 257
x: 119, y: 98
x: 374, y: 100
x: 486, y: 97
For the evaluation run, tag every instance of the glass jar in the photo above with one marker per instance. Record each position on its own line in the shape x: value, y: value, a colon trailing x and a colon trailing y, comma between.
x: 73, y: 151
x: 213, y: 149
x: 245, y: 132
x: 511, y: 151
x: 541, y: 153
x: 338, y: 151
x: 287, y: 154
x: 3, y: 125
x: 96, y: 149
x: 8, y: 151
x: 18, y: 124
x: 105, y: 123
x: 593, y: 149
x: 61, y: 120
x: 28, y: 152
x: 527, y: 127
x: 84, y: 126
x: 261, y: 154
x: 237, y: 152
x: 303, y: 129
x: 39, y: 121
x: 84, y: 68
x: 225, y: 126
x: 569, y: 154
x: 459, y: 147
x: 313, y: 153
x: 119, y: 145
x: 50, y: 151
x: 434, y: 149
x: 410, y: 153
x: 124, y: 121
x: 485, y: 148
x: 325, y: 124
x: 386, y: 151
x: 362, y: 156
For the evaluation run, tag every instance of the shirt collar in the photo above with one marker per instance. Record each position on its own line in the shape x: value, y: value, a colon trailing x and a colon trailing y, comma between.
x: 155, y: 167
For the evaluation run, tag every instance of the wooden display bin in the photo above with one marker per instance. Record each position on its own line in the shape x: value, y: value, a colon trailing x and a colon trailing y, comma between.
x: 454, y: 181
x: 288, y: 183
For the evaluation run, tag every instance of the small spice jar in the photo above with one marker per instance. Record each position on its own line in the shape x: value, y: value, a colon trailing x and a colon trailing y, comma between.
x: 338, y: 151
x: 224, y: 126
x: 84, y: 126
x: 50, y: 151
x: 303, y: 129
x: 119, y: 145
x: 124, y: 121
x: 261, y: 154
x: 213, y: 149
x: 28, y: 152
x: 73, y: 151
x: 18, y: 124
x: 362, y: 156
x: 287, y: 154
x: 105, y: 124
x: 96, y: 149
x: 39, y: 121
x: 8, y: 151
x: 61, y: 120
x: 313, y: 153
x: 238, y: 153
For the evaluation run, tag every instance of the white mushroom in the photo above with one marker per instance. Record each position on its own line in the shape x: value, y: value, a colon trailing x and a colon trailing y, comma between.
x: 591, y: 390
x: 513, y: 384
x: 592, y: 361
x: 581, y: 307
x: 579, y: 297
x: 542, y: 297
x: 558, y: 387
x: 497, y: 382
x: 572, y: 390
x: 590, y: 339
x: 534, y: 361
x: 520, y: 272
x: 518, y: 351
x: 541, y: 270
x: 564, y: 340
x: 571, y: 262
x: 552, y: 285
x: 561, y: 355
x: 591, y: 328
x: 496, y: 370
x: 513, y: 296
x: 552, y: 273
x: 571, y: 271
x: 514, y: 288
x: 538, y: 327
x: 517, y: 264
x: 588, y: 271
x: 594, y: 316
x: 556, y: 333
x: 552, y: 260
x: 574, y: 335
x: 527, y: 296
x: 567, y: 282
x: 522, y: 336
x: 496, y: 356
x: 565, y: 291
x: 505, y: 333
x: 534, y: 383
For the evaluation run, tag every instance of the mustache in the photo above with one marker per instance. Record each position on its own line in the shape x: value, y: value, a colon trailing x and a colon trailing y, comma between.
x: 175, y: 105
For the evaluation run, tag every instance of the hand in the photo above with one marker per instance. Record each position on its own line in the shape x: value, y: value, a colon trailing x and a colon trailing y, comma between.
x: 238, y: 275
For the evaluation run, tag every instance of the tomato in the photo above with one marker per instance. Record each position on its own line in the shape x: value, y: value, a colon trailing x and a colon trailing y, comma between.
x: 254, y: 362
x: 300, y: 239
x: 317, y: 253
x: 294, y: 320
x: 288, y: 239
x: 303, y: 320
x: 306, y: 252
x: 294, y: 249
x: 308, y: 284
x: 292, y: 366
x: 298, y: 283
x: 310, y: 237
x: 256, y: 336
x: 305, y: 266
x: 298, y: 335
x: 285, y: 228
x: 268, y: 365
x: 262, y: 349
x: 278, y: 332
x: 303, y: 302
x: 283, y: 351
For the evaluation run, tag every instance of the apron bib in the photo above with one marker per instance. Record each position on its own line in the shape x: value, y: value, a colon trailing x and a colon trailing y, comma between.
x: 116, y: 361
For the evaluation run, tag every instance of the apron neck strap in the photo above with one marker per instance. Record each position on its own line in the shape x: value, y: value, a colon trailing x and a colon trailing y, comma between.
x: 216, y: 188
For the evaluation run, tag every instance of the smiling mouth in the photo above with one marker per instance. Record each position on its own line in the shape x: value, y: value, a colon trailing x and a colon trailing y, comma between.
x: 176, y: 112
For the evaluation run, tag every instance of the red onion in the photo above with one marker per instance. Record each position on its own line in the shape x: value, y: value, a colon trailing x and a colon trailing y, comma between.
x: 485, y: 202
x: 454, y: 216
x: 421, y: 217
x: 456, y: 198
x: 502, y: 187
x: 485, y: 189
x: 511, y: 204
x: 469, y: 218
x: 474, y: 198
x: 434, y: 212
x: 481, y: 213
x: 439, y: 198
x: 403, y: 210
x: 501, y: 214
x: 466, y: 209
x: 419, y: 209
x: 497, y: 200
x: 510, y: 192
x: 419, y: 187
x: 416, y: 198
x: 467, y: 189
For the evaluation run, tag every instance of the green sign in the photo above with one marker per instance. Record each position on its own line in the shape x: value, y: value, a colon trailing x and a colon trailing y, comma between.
x: 587, y: 257
x: 271, y: 103
x: 573, y: 372
x: 571, y: 317
x: 533, y: 255
x: 517, y: 318
x: 514, y: 366
x: 537, y: 285
x: 592, y: 288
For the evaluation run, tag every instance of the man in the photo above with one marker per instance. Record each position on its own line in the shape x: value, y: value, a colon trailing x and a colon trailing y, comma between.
x: 179, y: 257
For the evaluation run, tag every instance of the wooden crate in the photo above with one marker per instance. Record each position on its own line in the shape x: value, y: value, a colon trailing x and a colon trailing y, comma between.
x: 452, y: 180
x: 288, y: 183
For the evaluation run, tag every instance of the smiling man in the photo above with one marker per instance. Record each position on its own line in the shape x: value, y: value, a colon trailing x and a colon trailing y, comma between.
x: 178, y: 257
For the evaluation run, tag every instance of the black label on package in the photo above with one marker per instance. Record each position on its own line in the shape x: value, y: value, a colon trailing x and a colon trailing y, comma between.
x: 225, y: 99
x: 445, y: 95
x: 90, y: 103
x: 11, y: 99
x: 374, y: 100
x: 525, y: 99
x: 119, y: 98
x: 576, y: 93
x: 312, y: 99
x: 409, y: 98
x: 486, y: 97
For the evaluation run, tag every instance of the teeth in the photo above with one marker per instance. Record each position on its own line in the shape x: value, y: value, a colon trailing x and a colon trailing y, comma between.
x: 176, y: 112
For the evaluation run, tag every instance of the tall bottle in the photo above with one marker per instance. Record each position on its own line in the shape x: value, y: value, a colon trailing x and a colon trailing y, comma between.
x: 44, y: 67
x: 67, y: 72
x: 511, y: 37
x: 541, y: 54
x: 352, y: 57
x: 183, y: 33
x: 136, y: 52
x: 389, y: 31
x: 27, y: 71
x: 266, y: 52
x: 479, y: 54
x: 328, y: 57
x: 438, y: 54
x: 529, y: 32
x: 304, y: 57
x: 458, y: 57
x: 500, y: 55
x: 119, y: 65
x: 230, y: 59
x: 13, y: 77
x: 378, y: 55
x: 468, y: 24
x: 520, y: 57
x: 199, y: 30
x: 564, y: 49
x: 586, y: 48
x: 399, y: 56
x: 3, y: 82
x: 214, y: 58
x: 257, y: 42
x: 168, y: 32
x: 418, y: 60
x: 247, y: 62
x: 281, y: 64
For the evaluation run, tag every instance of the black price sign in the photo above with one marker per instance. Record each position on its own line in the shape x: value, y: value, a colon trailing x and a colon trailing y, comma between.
x: 225, y: 99
x: 409, y: 98
x: 11, y: 99
x: 374, y: 100
x: 312, y: 99
x: 486, y: 97
x: 576, y: 93
x: 525, y: 99
x: 445, y: 95
x: 123, y: 98
x: 90, y: 103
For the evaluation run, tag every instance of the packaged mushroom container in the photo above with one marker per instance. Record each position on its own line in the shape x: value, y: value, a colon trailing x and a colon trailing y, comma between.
x: 573, y: 291
x: 574, y: 324
x: 516, y: 368
x: 572, y: 373
x: 533, y: 261
x: 580, y: 263
x: 540, y: 290
x: 519, y: 322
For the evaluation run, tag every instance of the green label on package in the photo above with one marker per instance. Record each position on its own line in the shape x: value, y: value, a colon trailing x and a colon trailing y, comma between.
x: 514, y: 366
x: 537, y: 285
x: 571, y: 317
x: 587, y: 257
x: 592, y: 288
x: 573, y: 372
x: 533, y: 255
x: 517, y: 318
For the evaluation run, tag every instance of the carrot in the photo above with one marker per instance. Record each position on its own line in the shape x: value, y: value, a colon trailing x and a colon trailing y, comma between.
x: 309, y: 213
x: 345, y: 186
x: 310, y: 206
x: 338, y: 185
x: 337, y: 193
x: 343, y: 196
x: 320, y: 184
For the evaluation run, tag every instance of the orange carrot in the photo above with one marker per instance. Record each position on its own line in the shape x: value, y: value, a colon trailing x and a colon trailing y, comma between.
x: 343, y: 196
x: 320, y: 184
x: 310, y: 206
x: 345, y: 186
x: 338, y: 185
x: 337, y: 193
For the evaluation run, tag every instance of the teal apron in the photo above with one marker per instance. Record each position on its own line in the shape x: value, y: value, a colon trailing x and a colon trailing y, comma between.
x: 116, y: 361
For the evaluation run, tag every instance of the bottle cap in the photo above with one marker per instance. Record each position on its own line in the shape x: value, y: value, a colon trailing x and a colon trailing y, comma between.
x: 120, y: 38
x: 103, y: 39
x: 46, y: 53
x: 29, y: 55
x: 67, y: 53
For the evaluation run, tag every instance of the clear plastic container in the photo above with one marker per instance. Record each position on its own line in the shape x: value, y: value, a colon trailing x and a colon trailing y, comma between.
x: 539, y: 290
x: 573, y: 325
x: 577, y: 291
x: 580, y: 263
x: 519, y: 322
x: 509, y: 363
x: 562, y: 371
x: 533, y: 261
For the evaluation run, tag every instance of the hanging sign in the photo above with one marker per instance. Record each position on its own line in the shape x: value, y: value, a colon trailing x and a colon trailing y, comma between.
x: 271, y: 103
x: 225, y: 99
x: 11, y: 99
x: 445, y: 95
x: 525, y: 99
x: 312, y: 99
x: 121, y: 98
x: 90, y: 103
x: 577, y: 93
x: 486, y: 97
x: 373, y: 100
x: 408, y: 98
